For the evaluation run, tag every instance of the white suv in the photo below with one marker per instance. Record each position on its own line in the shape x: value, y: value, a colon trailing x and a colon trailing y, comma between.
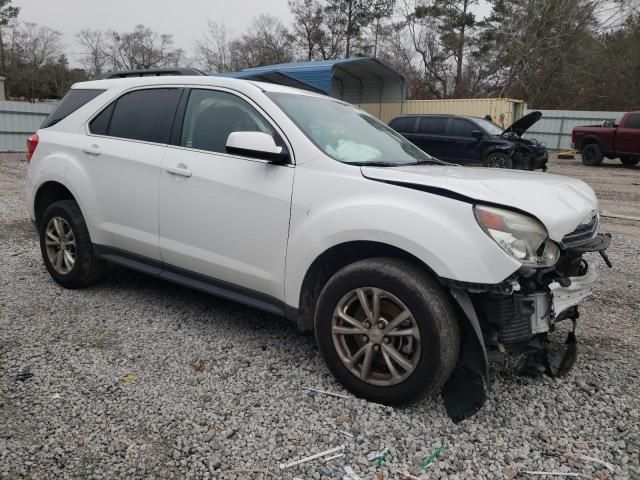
x: 409, y: 270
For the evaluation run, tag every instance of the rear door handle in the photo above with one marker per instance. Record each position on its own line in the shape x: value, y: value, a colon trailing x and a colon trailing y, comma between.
x: 93, y: 149
x: 180, y: 169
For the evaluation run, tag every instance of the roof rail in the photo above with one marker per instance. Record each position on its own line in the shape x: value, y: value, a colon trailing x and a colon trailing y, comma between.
x: 152, y: 72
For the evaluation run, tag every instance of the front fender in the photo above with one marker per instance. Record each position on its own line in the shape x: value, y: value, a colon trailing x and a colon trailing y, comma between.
x: 441, y: 232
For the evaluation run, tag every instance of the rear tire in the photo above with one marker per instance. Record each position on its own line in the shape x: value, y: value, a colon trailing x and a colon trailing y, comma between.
x: 592, y: 155
x: 630, y: 161
x: 497, y: 160
x: 408, y: 360
x: 66, y: 246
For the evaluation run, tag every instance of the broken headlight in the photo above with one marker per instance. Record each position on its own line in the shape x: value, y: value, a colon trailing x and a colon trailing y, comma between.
x: 521, y: 236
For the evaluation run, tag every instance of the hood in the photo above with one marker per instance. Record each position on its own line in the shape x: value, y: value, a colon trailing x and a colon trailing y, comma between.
x: 560, y: 203
x: 520, y: 126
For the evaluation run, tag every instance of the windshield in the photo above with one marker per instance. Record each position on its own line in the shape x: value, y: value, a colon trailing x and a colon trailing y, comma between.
x: 348, y: 134
x: 490, y: 127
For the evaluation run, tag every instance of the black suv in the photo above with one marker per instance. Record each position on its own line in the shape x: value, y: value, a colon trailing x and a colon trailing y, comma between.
x: 462, y: 139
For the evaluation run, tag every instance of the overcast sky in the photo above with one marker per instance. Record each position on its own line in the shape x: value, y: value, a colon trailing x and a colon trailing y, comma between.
x: 184, y: 19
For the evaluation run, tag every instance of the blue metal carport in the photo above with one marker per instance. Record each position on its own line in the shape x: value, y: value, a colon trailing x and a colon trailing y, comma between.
x: 356, y: 80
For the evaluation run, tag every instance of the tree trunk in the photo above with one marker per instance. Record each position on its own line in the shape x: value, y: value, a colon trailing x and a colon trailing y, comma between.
x: 349, y: 26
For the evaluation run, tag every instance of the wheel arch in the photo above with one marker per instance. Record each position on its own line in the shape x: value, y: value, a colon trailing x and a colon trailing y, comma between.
x: 590, y: 140
x: 336, y: 257
x: 49, y: 192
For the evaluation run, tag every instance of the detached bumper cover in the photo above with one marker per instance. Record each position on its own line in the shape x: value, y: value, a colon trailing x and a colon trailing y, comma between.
x: 577, y: 292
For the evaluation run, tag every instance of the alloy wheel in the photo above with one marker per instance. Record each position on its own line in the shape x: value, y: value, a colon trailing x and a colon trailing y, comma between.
x: 60, y: 245
x: 376, y: 336
x: 497, y: 161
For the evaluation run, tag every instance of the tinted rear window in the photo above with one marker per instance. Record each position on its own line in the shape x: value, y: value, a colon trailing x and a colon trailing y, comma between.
x: 433, y: 125
x: 403, y: 124
x: 633, y: 122
x: 144, y: 115
x: 71, y: 102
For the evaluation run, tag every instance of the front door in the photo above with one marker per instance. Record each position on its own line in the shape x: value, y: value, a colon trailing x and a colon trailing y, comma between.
x: 224, y: 216
x: 463, y: 147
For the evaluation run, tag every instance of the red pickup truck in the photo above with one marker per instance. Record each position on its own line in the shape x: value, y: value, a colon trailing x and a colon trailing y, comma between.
x: 619, y: 139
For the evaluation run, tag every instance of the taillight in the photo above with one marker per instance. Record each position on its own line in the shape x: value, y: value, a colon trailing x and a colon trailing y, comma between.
x: 32, y: 143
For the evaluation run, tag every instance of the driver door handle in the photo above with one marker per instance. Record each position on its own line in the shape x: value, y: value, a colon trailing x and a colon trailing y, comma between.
x: 93, y: 149
x: 180, y: 169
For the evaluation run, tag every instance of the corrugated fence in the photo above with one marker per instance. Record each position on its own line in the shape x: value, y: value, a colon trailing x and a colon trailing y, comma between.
x: 555, y: 126
x: 18, y: 120
x: 502, y: 110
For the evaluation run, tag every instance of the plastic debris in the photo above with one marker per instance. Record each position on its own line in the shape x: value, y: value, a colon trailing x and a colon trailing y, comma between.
x: 311, y: 457
x: 331, y: 394
x: 350, y: 474
x: 346, y: 434
x: 333, y: 457
x: 595, y: 460
x: 56, y: 396
x: 199, y: 366
x: 431, y: 458
x: 555, y: 474
x: 25, y: 374
x: 406, y: 475
x: 128, y: 378
x: 379, y: 457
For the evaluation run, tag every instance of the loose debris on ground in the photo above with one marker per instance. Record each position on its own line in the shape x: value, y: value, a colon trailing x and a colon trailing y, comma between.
x: 246, y: 411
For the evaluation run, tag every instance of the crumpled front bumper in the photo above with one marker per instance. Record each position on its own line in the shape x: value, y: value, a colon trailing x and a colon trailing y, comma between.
x: 573, y: 295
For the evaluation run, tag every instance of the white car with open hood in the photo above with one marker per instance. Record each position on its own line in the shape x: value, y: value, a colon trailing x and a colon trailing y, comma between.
x: 410, y: 271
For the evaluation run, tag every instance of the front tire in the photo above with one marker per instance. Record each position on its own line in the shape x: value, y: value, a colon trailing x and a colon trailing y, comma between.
x: 630, y: 161
x: 387, y: 331
x: 497, y: 160
x: 66, y: 246
x: 592, y: 155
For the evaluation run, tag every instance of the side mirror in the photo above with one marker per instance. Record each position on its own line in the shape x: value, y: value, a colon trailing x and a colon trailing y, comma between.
x: 477, y: 134
x: 256, y: 145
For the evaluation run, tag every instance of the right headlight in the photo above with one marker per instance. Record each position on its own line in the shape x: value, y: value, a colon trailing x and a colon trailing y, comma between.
x: 521, y: 236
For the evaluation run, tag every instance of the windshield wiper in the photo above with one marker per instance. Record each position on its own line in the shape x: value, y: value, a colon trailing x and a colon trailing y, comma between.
x: 376, y: 164
x: 431, y: 161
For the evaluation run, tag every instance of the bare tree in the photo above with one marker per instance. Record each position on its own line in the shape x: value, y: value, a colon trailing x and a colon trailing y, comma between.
x: 141, y: 48
x: 307, y: 25
x: 93, y: 44
x: 7, y: 14
x: 212, y: 52
x: 31, y: 47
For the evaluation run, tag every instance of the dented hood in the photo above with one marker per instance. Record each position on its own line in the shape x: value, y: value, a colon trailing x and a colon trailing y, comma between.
x: 560, y: 203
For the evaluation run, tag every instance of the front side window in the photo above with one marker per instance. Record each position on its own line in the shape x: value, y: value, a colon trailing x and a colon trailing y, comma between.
x: 212, y: 115
x: 489, y: 127
x: 72, y: 101
x: 461, y: 128
x: 144, y: 115
x: 348, y: 134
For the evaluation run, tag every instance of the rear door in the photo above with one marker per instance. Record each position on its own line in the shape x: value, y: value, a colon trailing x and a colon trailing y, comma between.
x: 628, y: 136
x: 463, y: 147
x: 431, y: 135
x: 224, y: 216
x: 123, y: 154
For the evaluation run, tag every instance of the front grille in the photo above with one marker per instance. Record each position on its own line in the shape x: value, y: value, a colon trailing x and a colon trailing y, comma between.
x: 582, y: 234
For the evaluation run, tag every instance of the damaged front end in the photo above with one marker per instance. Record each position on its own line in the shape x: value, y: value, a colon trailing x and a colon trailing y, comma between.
x: 517, y: 316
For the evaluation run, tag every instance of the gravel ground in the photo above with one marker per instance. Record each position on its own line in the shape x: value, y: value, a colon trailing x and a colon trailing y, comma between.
x: 139, y: 378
